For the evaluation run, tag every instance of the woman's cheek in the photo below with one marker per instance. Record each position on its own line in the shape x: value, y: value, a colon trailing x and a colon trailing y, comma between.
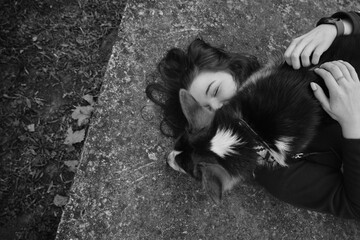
x: 229, y: 93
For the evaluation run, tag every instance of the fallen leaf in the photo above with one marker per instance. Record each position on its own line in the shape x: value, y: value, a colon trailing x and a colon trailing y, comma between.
x: 83, y: 120
x: 86, y: 110
x: 31, y: 127
x: 72, y: 165
x: 74, y: 137
x: 60, y: 201
x: 82, y: 114
x: 89, y: 99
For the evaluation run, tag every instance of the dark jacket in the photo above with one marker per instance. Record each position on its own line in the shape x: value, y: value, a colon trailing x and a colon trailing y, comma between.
x: 327, y: 177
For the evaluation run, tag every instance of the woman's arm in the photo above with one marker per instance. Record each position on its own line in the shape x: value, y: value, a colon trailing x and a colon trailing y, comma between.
x: 317, y: 181
x: 308, y: 48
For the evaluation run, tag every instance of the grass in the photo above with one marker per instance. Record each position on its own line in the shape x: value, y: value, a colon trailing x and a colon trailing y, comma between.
x: 52, y: 53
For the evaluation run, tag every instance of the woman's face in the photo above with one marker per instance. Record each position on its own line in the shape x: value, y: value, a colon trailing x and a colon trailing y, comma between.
x: 213, y: 89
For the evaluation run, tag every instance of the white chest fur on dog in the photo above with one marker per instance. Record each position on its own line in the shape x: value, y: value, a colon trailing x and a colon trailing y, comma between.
x: 225, y: 142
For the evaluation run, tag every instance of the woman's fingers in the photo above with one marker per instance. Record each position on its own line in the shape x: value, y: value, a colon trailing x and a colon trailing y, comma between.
x: 341, y: 71
x: 306, y: 53
x: 321, y: 97
x: 328, y: 77
x: 353, y: 75
x: 319, y: 50
x: 344, y: 70
x: 292, y: 53
x: 308, y: 48
x: 300, y: 53
x: 289, y: 50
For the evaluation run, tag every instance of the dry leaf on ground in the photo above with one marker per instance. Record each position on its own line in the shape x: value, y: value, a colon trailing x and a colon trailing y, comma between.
x: 72, y: 164
x: 31, y: 127
x: 74, y: 137
x: 60, y: 201
x: 89, y: 99
x: 82, y: 114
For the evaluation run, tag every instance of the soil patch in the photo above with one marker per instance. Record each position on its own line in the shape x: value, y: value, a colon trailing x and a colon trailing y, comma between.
x: 52, y: 54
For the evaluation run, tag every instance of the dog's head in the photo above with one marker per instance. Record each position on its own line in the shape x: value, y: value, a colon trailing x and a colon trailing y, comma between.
x: 213, y: 151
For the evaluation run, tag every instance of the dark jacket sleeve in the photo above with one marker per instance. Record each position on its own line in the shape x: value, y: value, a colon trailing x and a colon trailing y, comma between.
x: 354, y: 18
x: 328, y: 181
x: 351, y: 167
x: 319, y: 185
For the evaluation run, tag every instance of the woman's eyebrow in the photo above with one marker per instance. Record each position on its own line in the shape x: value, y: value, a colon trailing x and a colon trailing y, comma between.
x: 208, y: 88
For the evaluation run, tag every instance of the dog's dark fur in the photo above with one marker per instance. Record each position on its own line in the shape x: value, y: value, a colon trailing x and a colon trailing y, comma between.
x: 275, y: 109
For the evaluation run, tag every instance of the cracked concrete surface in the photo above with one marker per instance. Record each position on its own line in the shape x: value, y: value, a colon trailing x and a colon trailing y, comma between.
x: 123, y: 188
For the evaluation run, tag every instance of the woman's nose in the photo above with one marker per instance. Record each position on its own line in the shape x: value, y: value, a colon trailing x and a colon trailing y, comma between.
x: 215, y: 105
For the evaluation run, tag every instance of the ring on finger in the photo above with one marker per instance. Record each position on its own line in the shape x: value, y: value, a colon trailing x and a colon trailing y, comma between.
x: 338, y: 79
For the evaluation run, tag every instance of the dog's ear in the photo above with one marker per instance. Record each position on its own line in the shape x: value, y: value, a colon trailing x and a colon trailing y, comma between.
x: 215, y: 180
x: 197, y: 116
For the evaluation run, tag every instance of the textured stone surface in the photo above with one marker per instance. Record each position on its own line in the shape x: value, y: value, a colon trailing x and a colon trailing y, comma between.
x: 124, y: 190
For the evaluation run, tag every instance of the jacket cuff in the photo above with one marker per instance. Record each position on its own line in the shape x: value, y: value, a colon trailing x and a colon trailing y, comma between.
x: 351, y: 143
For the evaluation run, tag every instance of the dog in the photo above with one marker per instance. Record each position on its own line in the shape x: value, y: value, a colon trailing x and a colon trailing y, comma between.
x: 272, y: 118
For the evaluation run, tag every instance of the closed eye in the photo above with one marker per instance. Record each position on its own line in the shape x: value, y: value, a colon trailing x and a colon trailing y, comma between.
x: 216, y: 91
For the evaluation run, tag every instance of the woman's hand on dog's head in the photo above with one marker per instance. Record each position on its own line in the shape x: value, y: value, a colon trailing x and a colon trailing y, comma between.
x: 308, y: 48
x: 343, y: 105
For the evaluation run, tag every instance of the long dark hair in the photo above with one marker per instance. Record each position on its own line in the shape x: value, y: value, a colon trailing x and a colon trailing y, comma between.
x: 178, y: 69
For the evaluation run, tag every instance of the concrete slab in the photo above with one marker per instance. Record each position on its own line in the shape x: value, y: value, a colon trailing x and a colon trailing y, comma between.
x: 124, y: 190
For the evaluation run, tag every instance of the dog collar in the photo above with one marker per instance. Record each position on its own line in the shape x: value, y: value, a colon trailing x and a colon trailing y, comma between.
x: 266, y: 158
x: 261, y: 147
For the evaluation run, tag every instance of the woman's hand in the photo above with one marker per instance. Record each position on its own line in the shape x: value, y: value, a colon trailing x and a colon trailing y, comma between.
x: 343, y: 105
x: 308, y: 48
x: 312, y: 44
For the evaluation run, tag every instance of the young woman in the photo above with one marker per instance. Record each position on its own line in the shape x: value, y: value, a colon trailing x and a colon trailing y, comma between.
x: 328, y: 179
x: 181, y: 70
